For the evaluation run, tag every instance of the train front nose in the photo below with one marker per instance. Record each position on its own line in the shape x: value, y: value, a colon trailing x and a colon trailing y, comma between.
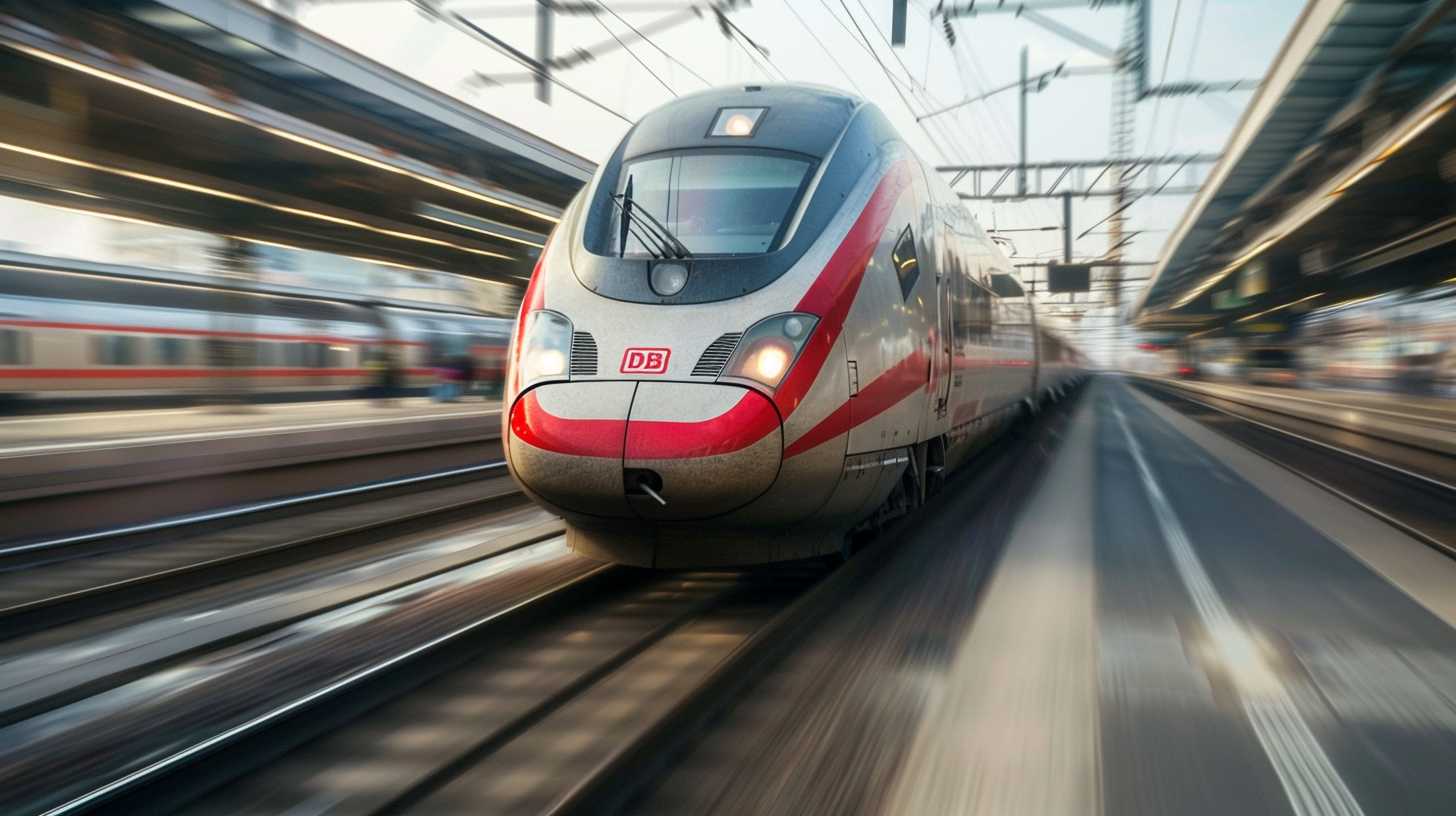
x: 647, y: 450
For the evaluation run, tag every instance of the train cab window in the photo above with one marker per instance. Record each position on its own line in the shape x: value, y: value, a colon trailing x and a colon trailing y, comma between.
x: 114, y: 349
x: 14, y: 347
x: 720, y: 202
x: 905, y: 261
x: 171, y: 351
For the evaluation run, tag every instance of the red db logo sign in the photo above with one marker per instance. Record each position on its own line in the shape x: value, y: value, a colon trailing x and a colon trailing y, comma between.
x: 645, y: 360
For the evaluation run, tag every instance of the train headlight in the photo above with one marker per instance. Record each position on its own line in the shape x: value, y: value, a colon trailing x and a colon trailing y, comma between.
x: 771, y: 361
x: 669, y: 278
x: 767, y: 351
x: 545, y: 348
x: 737, y: 123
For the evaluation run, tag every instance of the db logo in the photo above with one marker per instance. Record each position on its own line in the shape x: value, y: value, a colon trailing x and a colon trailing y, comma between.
x: 645, y: 360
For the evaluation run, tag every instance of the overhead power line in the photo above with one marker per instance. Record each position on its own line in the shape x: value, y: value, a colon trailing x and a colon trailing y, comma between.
x: 633, y: 54
x: 480, y: 34
x: 1163, y: 75
x: 822, y: 47
x: 869, y: 47
x: 1188, y: 71
x: 674, y: 60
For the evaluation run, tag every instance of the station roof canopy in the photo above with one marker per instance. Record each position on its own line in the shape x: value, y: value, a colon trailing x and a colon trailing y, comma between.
x: 1315, y: 153
x: 223, y: 116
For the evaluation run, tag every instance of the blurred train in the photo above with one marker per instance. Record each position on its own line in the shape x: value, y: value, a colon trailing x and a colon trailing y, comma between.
x: 763, y: 325
x: 71, y: 335
x: 1402, y: 341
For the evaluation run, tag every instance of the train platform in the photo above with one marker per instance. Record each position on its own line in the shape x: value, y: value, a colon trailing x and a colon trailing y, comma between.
x: 1422, y: 422
x: 1181, y: 625
x: 1167, y: 622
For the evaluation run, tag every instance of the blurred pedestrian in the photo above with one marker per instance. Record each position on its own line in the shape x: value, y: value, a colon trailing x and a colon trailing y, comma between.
x: 465, y: 366
x: 382, y: 376
x: 447, y: 376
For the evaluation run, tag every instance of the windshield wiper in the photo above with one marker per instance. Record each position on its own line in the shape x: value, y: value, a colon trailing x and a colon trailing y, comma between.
x: 667, y: 243
x: 650, y: 242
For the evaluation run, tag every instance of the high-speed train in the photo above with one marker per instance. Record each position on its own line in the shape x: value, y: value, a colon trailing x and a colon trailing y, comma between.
x: 82, y: 336
x: 763, y: 325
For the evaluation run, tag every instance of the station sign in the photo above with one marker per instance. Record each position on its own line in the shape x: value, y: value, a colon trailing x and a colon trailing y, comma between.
x: 1069, y: 278
x: 1226, y: 299
x: 1253, y: 279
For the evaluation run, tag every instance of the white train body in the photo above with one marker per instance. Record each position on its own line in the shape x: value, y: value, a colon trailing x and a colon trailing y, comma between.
x: 841, y: 334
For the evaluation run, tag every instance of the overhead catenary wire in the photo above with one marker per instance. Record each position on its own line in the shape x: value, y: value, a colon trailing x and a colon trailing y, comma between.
x: 974, y: 74
x: 919, y: 90
x: 889, y: 75
x: 1188, y: 71
x: 481, y: 35
x: 739, y: 37
x: 633, y: 54
x: 674, y: 60
x: 828, y: 53
x: 1163, y: 75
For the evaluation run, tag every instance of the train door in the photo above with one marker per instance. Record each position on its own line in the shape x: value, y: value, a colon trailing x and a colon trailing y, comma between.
x: 942, y: 337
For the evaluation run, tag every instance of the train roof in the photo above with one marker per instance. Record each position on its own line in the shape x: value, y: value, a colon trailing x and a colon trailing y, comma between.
x: 803, y: 119
x: 80, y: 286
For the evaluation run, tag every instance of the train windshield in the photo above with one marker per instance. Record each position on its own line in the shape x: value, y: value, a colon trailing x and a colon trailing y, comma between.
x: 715, y: 202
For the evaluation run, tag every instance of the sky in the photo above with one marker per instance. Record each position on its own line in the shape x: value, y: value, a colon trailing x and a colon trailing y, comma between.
x: 816, y: 41
x: 824, y: 42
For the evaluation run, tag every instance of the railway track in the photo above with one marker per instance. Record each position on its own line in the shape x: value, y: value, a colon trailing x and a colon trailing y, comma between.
x: 47, y: 582
x: 600, y: 662
x: 1360, y: 469
x: 52, y: 494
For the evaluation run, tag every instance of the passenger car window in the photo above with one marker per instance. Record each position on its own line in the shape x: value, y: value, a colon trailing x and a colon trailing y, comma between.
x: 905, y: 261
x: 171, y: 350
x: 14, y: 347
x: 114, y: 349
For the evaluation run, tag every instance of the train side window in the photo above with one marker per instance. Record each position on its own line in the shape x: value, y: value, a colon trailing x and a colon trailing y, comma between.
x: 14, y: 347
x: 171, y: 351
x: 316, y: 355
x: 907, y: 264
x: 963, y: 312
x: 114, y: 349
x: 981, y: 308
x: 1006, y: 286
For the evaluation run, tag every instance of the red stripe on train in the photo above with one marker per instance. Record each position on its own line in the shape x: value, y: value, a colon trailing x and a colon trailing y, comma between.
x: 535, y: 426
x: 834, y: 291
x: 883, y: 393
x: 749, y: 420
x: 185, y: 373
x: 164, y: 330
